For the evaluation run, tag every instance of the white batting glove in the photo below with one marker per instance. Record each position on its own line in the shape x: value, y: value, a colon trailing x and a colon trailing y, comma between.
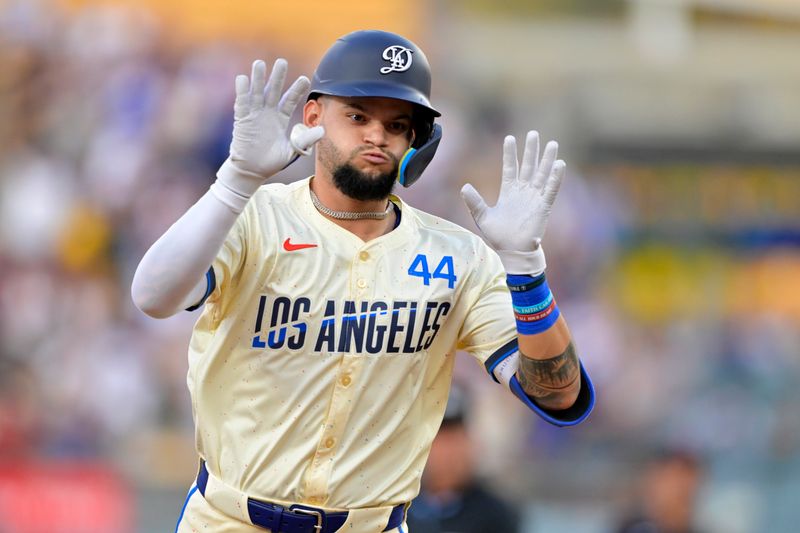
x: 261, y: 147
x: 514, y: 227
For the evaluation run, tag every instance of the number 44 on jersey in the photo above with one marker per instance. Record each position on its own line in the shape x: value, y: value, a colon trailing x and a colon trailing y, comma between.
x: 444, y: 270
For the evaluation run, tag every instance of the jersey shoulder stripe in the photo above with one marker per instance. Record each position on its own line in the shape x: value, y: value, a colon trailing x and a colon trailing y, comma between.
x: 211, y: 284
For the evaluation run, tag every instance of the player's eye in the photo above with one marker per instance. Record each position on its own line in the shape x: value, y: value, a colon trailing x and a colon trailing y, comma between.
x: 357, y: 117
x: 398, y: 127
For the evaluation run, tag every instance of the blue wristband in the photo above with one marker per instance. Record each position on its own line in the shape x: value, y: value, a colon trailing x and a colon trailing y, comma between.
x: 539, y: 326
x: 534, y: 306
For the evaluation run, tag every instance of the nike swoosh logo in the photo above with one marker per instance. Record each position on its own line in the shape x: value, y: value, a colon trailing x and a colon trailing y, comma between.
x: 289, y: 247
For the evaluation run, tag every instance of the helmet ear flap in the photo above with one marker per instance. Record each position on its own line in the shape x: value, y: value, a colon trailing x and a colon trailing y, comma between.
x: 414, y: 161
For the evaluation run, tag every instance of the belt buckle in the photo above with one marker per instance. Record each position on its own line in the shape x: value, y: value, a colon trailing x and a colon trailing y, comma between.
x: 310, y: 511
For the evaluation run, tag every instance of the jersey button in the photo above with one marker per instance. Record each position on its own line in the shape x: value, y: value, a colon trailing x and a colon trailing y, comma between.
x: 346, y: 381
x: 361, y: 283
x: 363, y: 256
x: 329, y: 442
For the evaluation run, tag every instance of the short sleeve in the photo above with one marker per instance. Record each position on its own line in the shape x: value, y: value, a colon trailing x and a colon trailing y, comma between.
x: 227, y: 266
x: 489, y: 321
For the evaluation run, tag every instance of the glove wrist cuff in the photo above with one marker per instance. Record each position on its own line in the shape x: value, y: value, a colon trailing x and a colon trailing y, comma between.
x: 530, y: 263
x: 235, y: 186
x: 232, y: 199
x: 242, y: 182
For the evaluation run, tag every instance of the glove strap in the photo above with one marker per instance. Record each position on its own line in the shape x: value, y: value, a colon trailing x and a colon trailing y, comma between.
x: 528, y: 263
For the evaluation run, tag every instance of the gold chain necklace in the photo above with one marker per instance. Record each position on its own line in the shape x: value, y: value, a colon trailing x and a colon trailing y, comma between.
x: 349, y: 215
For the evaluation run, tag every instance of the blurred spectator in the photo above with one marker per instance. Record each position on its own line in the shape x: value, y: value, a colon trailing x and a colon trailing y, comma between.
x: 453, y: 499
x: 667, y: 494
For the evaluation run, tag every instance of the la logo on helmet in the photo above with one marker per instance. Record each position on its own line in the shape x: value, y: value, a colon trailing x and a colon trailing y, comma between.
x: 399, y: 58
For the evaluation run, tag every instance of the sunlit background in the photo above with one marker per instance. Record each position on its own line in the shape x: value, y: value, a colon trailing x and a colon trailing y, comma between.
x: 674, y: 247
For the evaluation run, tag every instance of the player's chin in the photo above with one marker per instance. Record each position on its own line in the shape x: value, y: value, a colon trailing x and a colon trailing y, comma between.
x: 374, y: 170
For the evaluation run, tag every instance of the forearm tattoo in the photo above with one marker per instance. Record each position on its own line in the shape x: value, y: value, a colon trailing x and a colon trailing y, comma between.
x: 546, y: 378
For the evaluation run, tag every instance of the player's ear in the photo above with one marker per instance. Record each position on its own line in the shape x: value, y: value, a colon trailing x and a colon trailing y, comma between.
x: 312, y: 113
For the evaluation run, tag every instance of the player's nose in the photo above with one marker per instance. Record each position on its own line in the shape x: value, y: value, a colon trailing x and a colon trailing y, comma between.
x: 375, y: 134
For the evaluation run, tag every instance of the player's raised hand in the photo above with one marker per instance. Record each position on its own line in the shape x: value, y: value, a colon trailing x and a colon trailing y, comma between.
x: 261, y: 145
x: 514, y: 226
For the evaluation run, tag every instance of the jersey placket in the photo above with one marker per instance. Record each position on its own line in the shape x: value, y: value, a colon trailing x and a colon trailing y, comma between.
x: 361, y: 288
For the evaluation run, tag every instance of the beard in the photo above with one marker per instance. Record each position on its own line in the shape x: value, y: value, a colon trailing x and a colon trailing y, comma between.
x: 355, y: 183
x: 359, y: 186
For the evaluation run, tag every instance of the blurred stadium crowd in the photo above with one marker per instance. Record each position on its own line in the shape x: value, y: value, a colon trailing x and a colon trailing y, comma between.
x: 688, y: 322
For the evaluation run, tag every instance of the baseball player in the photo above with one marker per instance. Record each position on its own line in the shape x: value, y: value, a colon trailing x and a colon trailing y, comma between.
x: 320, y: 366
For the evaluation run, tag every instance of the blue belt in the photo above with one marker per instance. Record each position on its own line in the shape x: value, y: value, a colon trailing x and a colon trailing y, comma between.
x: 296, y: 518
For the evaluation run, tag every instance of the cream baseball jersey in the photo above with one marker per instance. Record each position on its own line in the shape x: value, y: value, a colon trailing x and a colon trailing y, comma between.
x: 320, y: 366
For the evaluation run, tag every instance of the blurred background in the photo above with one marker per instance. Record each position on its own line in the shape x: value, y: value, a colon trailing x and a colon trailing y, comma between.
x: 674, y: 247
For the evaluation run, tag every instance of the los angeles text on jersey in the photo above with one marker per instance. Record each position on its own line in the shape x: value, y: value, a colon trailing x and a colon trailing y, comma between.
x: 347, y: 326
